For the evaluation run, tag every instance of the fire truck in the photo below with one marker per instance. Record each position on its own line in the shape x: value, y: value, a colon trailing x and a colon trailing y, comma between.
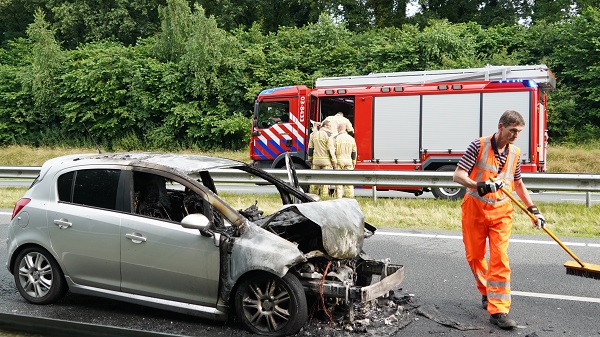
x: 417, y: 121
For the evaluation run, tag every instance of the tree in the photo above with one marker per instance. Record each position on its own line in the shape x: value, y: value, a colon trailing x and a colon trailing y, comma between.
x: 90, y: 20
x: 388, y: 13
x: 500, y: 12
x: 15, y: 16
x: 577, y: 63
x: 550, y: 10
x: 176, y: 27
x: 270, y: 15
x: 83, y: 21
x: 42, y: 77
x: 487, y: 13
x: 209, y: 60
x: 454, y: 11
x: 362, y: 15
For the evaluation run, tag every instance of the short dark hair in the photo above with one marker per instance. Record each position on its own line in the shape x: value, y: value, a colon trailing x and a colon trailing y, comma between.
x: 511, y: 117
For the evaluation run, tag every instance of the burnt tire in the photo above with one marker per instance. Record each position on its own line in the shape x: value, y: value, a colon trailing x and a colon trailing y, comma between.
x: 38, y: 276
x: 448, y: 193
x: 269, y: 305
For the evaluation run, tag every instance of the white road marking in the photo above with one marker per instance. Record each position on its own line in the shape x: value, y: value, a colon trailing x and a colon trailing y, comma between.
x: 558, y: 297
x: 459, y: 237
x: 6, y: 213
x: 513, y: 292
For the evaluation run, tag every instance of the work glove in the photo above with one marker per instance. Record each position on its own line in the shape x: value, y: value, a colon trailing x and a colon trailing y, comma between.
x: 488, y: 186
x: 541, y: 221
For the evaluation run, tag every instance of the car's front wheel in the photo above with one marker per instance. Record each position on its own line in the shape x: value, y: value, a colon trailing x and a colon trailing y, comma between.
x: 270, y: 305
x: 38, y: 277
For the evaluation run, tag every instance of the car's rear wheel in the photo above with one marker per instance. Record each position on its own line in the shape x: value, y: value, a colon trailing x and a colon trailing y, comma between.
x: 269, y: 305
x: 38, y: 277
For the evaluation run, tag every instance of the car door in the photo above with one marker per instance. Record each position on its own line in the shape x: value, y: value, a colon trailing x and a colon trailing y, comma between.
x: 160, y: 258
x: 84, y: 226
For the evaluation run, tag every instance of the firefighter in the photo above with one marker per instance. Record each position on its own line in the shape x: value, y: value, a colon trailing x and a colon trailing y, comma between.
x: 342, y: 148
x: 339, y: 119
x: 487, y: 212
x: 318, y: 155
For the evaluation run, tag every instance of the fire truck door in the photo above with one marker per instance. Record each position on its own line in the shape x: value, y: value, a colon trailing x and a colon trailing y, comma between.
x: 278, y: 129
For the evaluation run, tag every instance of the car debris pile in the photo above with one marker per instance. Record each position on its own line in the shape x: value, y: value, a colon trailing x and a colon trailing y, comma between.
x: 385, y: 316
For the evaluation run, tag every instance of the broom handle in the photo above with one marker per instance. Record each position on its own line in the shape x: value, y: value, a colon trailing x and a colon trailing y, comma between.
x: 521, y: 206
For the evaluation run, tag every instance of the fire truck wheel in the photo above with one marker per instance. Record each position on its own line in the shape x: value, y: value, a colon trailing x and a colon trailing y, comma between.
x: 448, y: 193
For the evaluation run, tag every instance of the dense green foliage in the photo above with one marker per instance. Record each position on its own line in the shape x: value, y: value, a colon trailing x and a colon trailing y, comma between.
x: 184, y: 74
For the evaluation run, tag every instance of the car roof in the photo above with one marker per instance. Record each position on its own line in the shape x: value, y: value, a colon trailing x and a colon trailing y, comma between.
x: 186, y: 163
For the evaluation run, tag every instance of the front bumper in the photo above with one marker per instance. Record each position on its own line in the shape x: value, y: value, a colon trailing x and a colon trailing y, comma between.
x: 390, y: 277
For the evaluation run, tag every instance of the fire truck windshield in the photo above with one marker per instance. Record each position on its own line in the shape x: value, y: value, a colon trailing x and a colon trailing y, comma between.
x: 273, y: 112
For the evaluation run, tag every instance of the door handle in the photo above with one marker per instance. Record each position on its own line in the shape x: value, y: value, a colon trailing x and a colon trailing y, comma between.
x: 136, y: 237
x: 63, y: 223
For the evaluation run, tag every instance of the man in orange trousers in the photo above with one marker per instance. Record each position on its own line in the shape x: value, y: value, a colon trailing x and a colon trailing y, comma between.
x: 489, y: 164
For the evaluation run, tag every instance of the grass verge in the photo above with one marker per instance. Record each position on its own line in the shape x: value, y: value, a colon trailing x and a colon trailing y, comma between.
x: 17, y: 155
x: 561, y: 158
x: 565, y: 219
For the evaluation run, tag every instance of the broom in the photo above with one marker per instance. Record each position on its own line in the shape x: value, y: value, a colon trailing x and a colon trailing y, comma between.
x: 573, y: 268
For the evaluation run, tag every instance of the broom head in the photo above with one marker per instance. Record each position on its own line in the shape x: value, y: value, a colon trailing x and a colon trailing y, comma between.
x: 587, y: 270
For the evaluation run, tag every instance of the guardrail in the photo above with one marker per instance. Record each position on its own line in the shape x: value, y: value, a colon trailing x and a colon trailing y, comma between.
x: 19, y: 172
x: 535, y: 181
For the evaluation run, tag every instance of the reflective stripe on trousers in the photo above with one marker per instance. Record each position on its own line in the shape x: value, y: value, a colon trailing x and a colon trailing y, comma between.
x: 344, y: 190
x: 480, y: 221
x: 322, y: 190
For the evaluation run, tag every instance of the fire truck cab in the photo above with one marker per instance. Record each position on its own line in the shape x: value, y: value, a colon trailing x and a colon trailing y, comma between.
x: 409, y: 120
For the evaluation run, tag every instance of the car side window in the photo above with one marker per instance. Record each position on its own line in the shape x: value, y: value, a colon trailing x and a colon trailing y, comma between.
x: 97, y: 188
x: 159, y: 197
x: 65, y: 187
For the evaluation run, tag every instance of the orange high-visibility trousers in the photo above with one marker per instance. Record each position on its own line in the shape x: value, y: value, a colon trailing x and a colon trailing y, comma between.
x: 481, y: 221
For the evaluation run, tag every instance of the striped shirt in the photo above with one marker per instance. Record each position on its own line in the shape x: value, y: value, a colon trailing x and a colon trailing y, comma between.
x: 468, y: 160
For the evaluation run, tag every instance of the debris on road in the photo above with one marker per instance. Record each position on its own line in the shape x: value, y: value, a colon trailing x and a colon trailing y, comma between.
x: 384, y: 316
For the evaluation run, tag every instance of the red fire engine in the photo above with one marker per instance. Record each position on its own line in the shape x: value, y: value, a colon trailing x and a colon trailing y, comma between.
x: 422, y: 120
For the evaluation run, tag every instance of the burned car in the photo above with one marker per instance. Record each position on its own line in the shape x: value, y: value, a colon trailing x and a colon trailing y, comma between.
x: 150, y: 229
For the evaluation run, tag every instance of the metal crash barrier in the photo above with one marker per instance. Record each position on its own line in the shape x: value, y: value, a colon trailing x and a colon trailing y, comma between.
x: 535, y: 181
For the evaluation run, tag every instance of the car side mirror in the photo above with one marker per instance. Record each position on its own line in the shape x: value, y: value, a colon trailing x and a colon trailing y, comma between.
x: 200, y: 222
x: 195, y: 221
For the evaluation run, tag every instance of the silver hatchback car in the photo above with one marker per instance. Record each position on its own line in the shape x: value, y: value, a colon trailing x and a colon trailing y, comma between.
x: 149, y: 228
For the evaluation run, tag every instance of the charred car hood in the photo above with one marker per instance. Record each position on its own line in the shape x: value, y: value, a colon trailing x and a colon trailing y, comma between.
x: 341, y: 222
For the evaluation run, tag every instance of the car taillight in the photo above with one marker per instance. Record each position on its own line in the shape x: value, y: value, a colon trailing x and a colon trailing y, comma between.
x: 19, y: 206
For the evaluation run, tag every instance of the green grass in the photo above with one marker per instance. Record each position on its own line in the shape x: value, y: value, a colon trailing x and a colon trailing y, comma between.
x: 574, y: 159
x: 569, y: 219
x: 566, y: 219
x: 16, y: 155
x: 561, y: 158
